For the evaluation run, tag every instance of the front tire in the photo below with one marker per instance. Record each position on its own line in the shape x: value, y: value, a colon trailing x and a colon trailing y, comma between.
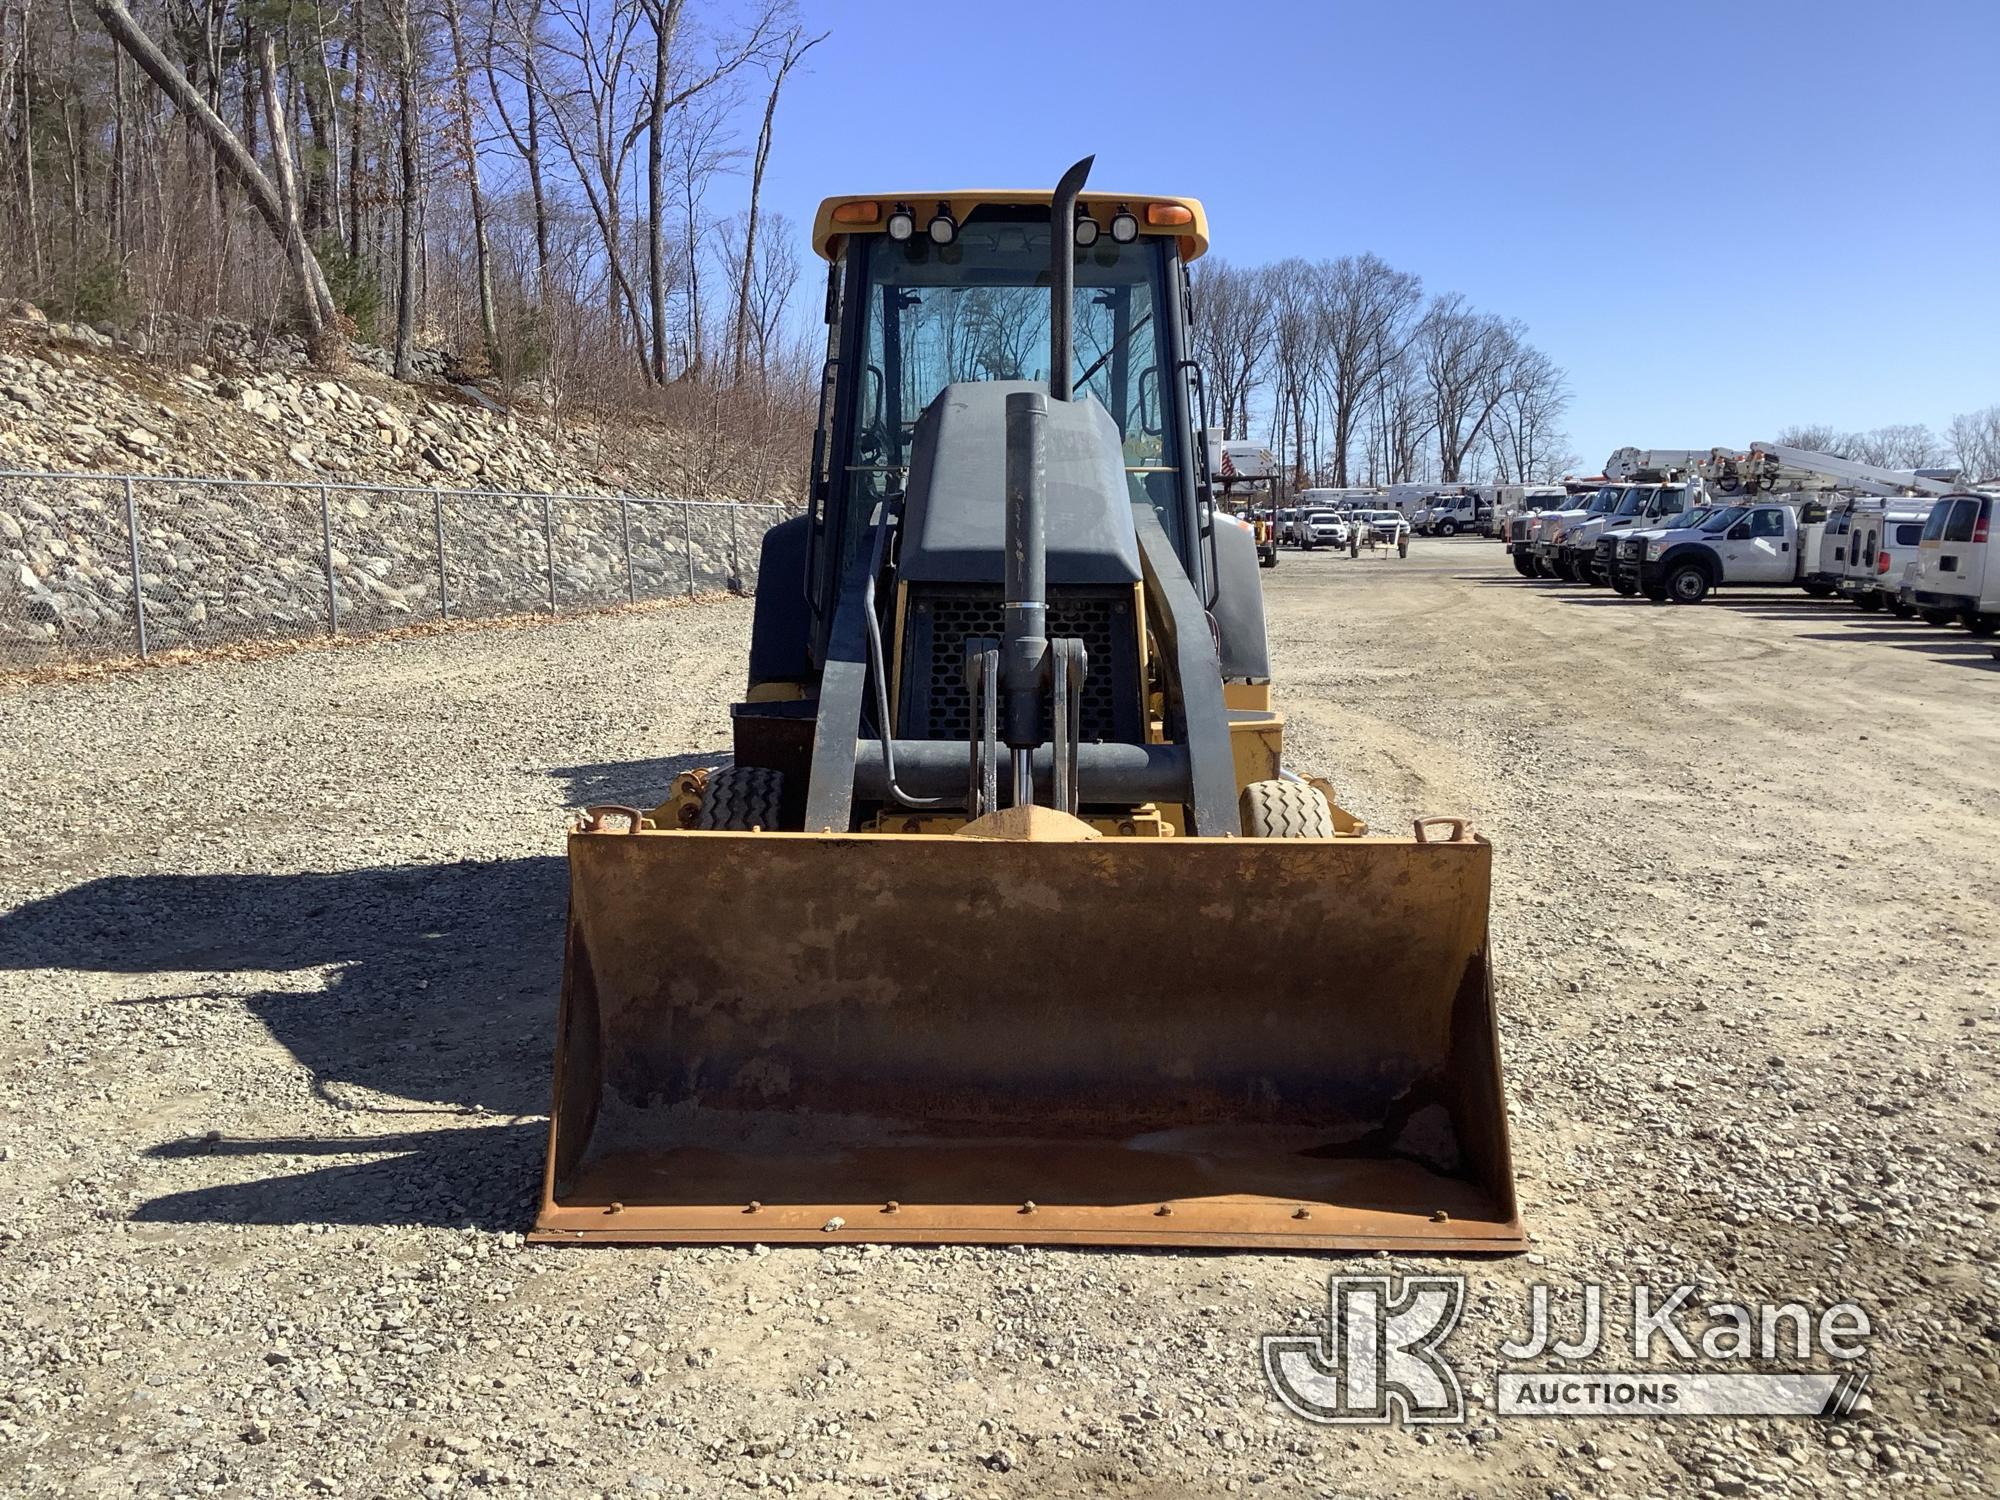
x: 1523, y: 565
x: 740, y: 799
x: 1937, y: 616
x: 1901, y: 610
x: 1626, y: 586
x: 1445, y: 528
x: 1868, y: 603
x: 1688, y: 584
x: 1981, y: 624
x: 1284, y: 810
x: 1562, y: 569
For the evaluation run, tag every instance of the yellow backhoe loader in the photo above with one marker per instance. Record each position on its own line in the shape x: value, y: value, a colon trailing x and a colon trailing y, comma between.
x: 1008, y: 923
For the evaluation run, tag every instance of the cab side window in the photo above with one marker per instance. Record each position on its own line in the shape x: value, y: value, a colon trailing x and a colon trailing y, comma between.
x: 1767, y: 522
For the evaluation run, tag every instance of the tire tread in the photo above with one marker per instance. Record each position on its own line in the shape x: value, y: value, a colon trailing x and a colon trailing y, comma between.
x: 1284, y: 810
x: 740, y: 798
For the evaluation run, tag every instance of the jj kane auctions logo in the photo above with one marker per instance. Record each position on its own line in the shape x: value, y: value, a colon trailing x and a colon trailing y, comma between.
x: 1382, y: 1359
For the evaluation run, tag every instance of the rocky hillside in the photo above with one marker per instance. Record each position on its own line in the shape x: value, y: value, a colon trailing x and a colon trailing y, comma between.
x: 218, y: 564
x: 168, y: 398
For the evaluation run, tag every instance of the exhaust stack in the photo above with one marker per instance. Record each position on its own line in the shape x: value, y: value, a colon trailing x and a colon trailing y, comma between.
x: 1062, y: 278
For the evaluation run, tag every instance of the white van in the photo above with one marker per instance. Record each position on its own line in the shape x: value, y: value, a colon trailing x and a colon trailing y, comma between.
x: 1881, y: 541
x: 1954, y: 579
x: 1825, y: 572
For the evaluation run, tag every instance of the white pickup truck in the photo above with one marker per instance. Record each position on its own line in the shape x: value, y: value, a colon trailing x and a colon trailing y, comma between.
x: 1755, y: 546
x: 1590, y: 545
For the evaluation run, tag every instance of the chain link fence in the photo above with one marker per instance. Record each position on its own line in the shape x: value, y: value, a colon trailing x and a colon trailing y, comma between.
x: 96, y: 565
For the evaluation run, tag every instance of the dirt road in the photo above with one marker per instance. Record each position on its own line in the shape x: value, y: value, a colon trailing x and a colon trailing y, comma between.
x: 278, y: 957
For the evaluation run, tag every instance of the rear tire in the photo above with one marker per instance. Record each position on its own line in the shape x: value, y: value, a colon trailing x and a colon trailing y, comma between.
x: 1869, y: 602
x: 1981, y: 624
x: 740, y: 798
x: 1901, y: 610
x: 1284, y: 810
x: 1937, y: 616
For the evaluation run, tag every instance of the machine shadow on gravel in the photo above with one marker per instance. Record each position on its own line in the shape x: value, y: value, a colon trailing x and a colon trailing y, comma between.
x: 440, y: 1002
x: 630, y: 783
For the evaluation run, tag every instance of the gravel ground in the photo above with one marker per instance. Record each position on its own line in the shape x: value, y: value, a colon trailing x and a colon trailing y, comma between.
x: 279, y: 948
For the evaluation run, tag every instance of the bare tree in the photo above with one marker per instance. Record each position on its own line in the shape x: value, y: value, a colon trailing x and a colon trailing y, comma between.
x: 1819, y: 438
x: 1230, y: 325
x: 1464, y: 356
x: 468, y: 145
x: 1526, y: 430
x: 1365, y: 322
x: 412, y: 191
x: 526, y: 135
x: 794, y: 50
x: 230, y: 151
x: 1975, y: 443
x: 297, y: 251
x: 769, y: 281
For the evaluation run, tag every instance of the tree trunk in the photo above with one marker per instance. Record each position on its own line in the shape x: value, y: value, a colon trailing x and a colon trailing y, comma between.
x: 406, y: 247
x: 528, y: 143
x: 793, y: 52
x: 297, y: 251
x: 665, y: 16
x: 355, y: 155
x: 120, y: 167
x: 541, y: 199
x: 489, y: 326
x: 229, y: 150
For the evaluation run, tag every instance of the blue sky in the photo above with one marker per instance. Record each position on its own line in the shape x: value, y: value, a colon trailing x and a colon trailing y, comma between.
x: 1719, y: 218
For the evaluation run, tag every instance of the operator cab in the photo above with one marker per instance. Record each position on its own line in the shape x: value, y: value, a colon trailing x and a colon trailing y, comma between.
x: 930, y: 291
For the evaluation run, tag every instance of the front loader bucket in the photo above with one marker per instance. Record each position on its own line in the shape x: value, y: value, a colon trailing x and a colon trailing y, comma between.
x: 906, y: 1037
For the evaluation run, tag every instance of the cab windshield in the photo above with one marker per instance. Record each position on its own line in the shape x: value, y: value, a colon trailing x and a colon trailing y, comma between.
x: 1725, y: 518
x: 1604, y: 501
x: 1634, y: 501
x: 978, y: 309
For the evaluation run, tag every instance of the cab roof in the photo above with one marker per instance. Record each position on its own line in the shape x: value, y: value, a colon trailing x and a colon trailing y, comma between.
x: 960, y: 203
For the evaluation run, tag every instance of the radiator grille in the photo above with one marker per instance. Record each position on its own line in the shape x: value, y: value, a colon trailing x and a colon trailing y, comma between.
x: 941, y: 621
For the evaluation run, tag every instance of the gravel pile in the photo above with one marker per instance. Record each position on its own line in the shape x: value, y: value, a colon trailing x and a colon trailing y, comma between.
x: 279, y: 944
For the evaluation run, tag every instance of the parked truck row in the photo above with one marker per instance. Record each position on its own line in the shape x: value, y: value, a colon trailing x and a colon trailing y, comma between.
x: 1913, y: 544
